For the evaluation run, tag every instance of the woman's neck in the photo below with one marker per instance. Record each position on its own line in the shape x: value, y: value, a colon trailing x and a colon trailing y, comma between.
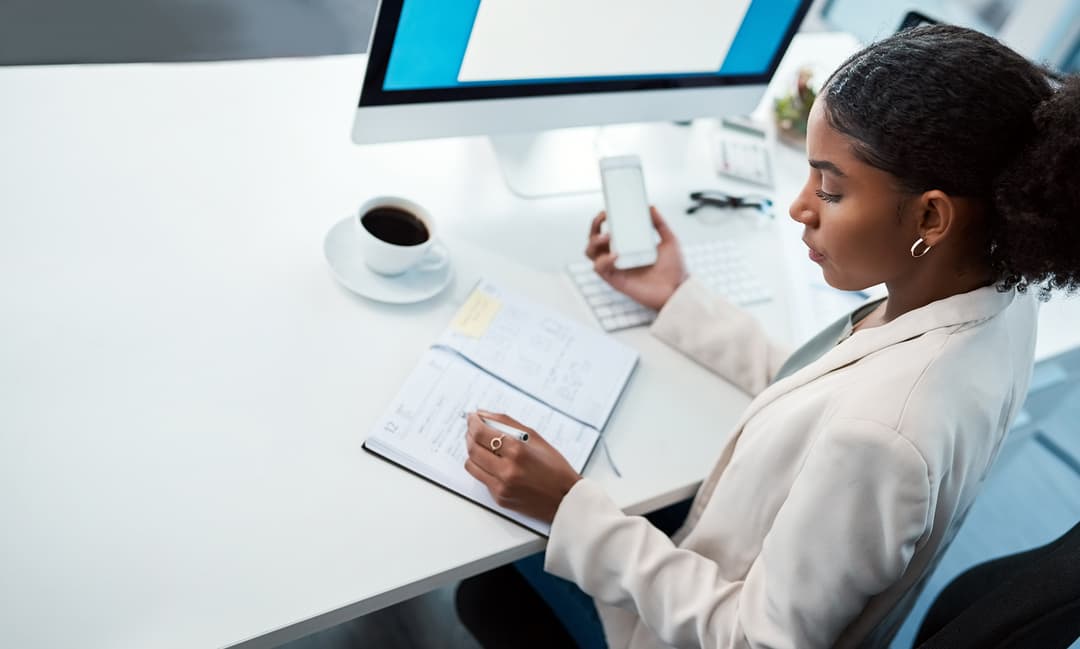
x: 910, y: 293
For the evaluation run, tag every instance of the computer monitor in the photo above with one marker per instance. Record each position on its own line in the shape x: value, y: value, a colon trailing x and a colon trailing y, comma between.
x: 439, y: 68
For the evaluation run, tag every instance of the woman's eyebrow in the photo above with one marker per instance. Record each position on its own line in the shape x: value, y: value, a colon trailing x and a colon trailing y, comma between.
x: 825, y: 165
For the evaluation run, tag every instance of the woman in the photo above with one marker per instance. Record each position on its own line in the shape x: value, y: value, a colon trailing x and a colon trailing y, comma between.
x: 943, y: 165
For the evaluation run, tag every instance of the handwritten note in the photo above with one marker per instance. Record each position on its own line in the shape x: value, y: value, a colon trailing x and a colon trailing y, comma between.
x: 475, y: 316
x: 423, y: 428
x: 572, y: 368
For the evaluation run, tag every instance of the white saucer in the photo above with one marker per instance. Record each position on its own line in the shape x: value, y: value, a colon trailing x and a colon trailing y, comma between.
x: 349, y: 268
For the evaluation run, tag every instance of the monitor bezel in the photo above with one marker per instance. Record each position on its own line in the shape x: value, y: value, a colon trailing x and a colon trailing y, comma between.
x: 382, y: 38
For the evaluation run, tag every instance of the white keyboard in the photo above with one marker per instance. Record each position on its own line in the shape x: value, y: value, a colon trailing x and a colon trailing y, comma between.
x: 717, y: 264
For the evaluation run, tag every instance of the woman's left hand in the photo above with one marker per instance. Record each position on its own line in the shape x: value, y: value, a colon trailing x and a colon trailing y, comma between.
x: 529, y: 477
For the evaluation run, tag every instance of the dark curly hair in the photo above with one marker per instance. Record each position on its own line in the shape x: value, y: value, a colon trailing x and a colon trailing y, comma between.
x: 947, y: 108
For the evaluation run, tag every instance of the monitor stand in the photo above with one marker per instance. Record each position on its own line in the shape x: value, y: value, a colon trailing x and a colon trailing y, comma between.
x: 549, y: 163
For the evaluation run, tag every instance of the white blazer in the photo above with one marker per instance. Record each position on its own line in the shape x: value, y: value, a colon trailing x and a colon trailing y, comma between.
x: 833, y: 495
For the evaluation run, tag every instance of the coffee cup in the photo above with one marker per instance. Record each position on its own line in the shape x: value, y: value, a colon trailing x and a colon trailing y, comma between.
x: 396, y: 235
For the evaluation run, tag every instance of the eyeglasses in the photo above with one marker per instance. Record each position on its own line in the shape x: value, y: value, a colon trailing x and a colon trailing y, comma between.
x: 723, y: 200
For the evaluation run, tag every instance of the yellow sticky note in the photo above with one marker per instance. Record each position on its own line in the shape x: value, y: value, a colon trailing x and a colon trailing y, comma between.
x: 475, y: 316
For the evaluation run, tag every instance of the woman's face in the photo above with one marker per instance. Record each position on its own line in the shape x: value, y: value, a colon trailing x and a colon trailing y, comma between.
x: 851, y: 212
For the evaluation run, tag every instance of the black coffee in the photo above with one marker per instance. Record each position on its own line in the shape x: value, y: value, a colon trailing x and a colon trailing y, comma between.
x: 395, y: 226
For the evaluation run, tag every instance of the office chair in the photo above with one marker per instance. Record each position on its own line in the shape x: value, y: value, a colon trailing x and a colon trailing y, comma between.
x: 1028, y: 599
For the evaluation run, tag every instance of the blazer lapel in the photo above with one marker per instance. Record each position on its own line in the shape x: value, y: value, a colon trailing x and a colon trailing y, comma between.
x: 966, y: 309
x: 958, y: 310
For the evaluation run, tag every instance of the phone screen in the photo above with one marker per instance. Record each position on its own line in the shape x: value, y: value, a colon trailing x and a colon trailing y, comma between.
x: 627, y: 210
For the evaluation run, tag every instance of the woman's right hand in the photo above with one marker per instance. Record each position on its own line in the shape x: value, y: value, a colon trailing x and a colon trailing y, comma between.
x: 650, y: 286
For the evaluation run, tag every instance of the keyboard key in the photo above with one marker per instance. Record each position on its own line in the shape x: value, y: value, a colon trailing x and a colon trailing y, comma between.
x: 717, y: 264
x: 593, y: 288
x: 601, y: 299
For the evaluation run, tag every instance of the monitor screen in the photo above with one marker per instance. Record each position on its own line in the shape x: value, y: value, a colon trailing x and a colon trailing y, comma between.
x: 453, y: 50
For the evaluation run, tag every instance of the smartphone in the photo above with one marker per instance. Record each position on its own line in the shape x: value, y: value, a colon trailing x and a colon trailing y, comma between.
x: 633, y: 238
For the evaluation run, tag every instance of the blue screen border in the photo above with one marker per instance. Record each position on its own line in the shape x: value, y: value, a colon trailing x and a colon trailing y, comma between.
x: 386, y: 22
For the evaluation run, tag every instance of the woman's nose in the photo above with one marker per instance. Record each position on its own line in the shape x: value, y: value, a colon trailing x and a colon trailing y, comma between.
x: 800, y: 212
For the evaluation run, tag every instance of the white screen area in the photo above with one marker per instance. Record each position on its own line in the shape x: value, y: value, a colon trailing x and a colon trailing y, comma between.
x: 551, y: 39
x: 627, y: 210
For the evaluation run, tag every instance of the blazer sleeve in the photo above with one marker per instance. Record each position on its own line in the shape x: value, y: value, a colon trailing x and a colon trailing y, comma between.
x: 720, y: 336
x: 846, y: 532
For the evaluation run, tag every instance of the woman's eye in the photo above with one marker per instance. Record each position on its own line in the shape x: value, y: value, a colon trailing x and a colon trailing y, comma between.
x: 828, y: 198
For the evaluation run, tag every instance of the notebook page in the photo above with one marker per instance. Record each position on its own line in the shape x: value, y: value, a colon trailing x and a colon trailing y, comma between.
x: 574, y: 369
x: 423, y: 428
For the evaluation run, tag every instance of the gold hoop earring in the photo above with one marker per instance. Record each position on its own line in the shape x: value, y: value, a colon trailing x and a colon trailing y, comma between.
x: 916, y: 245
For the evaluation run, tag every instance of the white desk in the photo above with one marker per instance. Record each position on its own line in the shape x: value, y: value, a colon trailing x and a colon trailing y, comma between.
x: 184, y: 389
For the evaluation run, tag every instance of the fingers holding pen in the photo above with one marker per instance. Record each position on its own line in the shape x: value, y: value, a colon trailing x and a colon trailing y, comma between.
x: 490, y: 445
x: 517, y: 466
x: 516, y: 427
x: 495, y: 486
x: 496, y: 468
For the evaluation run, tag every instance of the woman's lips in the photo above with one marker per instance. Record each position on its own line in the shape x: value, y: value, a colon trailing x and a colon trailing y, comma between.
x: 815, y: 256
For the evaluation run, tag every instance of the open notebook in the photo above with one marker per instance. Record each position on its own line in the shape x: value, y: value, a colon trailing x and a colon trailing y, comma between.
x: 505, y: 354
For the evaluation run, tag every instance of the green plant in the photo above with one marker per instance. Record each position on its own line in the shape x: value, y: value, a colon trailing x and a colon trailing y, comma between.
x: 793, y: 110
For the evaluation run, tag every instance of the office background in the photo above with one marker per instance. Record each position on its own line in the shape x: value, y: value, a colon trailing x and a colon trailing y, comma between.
x: 1033, y: 495
x: 122, y: 31
x: 117, y: 31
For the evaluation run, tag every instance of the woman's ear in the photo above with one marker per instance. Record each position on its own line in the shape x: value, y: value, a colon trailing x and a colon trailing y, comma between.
x: 936, y: 216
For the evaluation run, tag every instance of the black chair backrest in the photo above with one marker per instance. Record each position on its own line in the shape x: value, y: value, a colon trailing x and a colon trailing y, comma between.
x: 1029, y: 599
